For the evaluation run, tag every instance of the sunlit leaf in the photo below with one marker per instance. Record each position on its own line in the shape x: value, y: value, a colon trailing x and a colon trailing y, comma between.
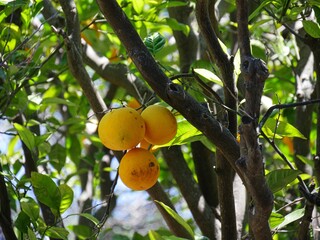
x: 31, y: 234
x: 258, y: 9
x: 138, y: 5
x: 81, y: 231
x: 175, y: 25
x: 89, y: 217
x: 31, y: 208
x: 46, y: 190
x: 281, y: 128
x: 57, y: 156
x: 186, y: 133
x: 208, y: 75
x: 22, y: 222
x: 153, y: 235
x: 26, y: 136
x: 168, y: 4
x: 176, y: 216
x: 312, y: 28
x: 291, y: 217
x: 280, y: 178
x: 66, y: 197
x: 275, y: 219
x: 55, y: 100
x: 57, y: 232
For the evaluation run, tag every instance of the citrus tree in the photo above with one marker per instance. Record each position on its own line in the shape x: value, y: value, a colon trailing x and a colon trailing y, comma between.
x: 214, y: 104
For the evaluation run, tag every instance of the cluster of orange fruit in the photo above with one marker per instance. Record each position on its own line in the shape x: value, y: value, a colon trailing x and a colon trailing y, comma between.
x: 127, y: 129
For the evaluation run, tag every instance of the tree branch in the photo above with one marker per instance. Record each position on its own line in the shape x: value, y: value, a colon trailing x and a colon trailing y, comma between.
x: 171, y: 93
x: 225, y: 173
x: 187, y: 45
x: 117, y: 74
x: 203, y: 160
x: 243, y: 31
x: 5, y: 210
x: 201, y: 211
x: 251, y: 163
x: 74, y: 55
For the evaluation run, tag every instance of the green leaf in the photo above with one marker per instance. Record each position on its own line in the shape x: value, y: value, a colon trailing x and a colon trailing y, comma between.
x: 179, y: 219
x: 208, y: 75
x: 154, y: 42
x: 312, y: 28
x: 168, y: 4
x: 138, y: 5
x: 275, y: 219
x: 175, y: 25
x: 81, y: 231
x: 280, y: 178
x: 291, y: 217
x: 66, y: 197
x: 22, y: 222
x: 74, y: 148
x: 281, y: 128
x: 46, y: 190
x: 258, y: 9
x: 154, y: 235
x: 26, y: 136
x: 317, y: 13
x: 31, y: 208
x: 55, y: 100
x: 90, y: 217
x: 58, y: 156
x: 31, y: 235
x: 57, y: 232
x: 306, y: 160
x: 186, y: 133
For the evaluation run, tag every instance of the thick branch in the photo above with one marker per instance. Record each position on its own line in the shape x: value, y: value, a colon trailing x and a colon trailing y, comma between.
x: 251, y: 163
x: 203, y: 160
x: 243, y: 31
x: 187, y: 45
x: 225, y: 173
x: 117, y: 74
x: 173, y: 94
x: 157, y: 193
x: 201, y: 211
x: 74, y: 54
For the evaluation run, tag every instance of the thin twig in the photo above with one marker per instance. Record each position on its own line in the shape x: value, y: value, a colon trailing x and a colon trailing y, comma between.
x: 283, y: 106
x: 97, y: 228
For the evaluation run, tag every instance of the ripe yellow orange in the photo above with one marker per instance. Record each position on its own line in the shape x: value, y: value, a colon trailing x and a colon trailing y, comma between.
x: 133, y: 103
x: 121, y: 129
x: 148, y: 146
x: 161, y: 125
x: 139, y: 169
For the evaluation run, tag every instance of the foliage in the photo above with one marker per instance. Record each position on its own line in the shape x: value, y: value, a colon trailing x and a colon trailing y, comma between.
x: 50, y: 146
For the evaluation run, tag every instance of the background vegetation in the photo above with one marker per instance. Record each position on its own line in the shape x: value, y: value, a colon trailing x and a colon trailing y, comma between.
x: 242, y: 78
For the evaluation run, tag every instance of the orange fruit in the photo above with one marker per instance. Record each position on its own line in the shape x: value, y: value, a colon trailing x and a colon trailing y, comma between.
x: 133, y: 103
x: 148, y: 146
x: 139, y: 169
x: 121, y: 129
x: 161, y: 125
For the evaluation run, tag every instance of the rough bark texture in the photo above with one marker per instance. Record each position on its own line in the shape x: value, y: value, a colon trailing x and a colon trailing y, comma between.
x: 200, y: 117
x: 201, y: 211
x: 225, y: 173
x: 251, y: 163
x: 187, y: 45
x: 74, y: 54
x: 157, y: 193
x: 204, y: 164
